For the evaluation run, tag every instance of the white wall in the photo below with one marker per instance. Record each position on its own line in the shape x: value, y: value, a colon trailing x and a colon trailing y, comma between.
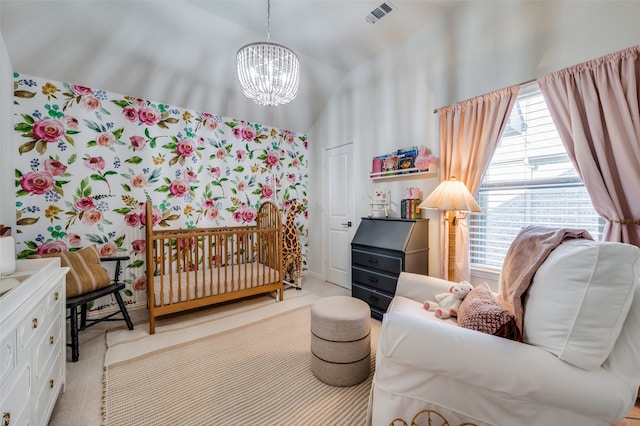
x: 388, y: 102
x: 7, y: 192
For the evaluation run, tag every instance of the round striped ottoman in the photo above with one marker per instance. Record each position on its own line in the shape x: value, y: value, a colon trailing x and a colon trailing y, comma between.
x: 340, y: 340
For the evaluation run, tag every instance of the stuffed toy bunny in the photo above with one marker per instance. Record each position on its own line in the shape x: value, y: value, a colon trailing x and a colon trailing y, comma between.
x: 447, y: 304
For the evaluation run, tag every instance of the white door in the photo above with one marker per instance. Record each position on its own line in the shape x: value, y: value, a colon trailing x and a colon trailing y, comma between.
x: 340, y: 208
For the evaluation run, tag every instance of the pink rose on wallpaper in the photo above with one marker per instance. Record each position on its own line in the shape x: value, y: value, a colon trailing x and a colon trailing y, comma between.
x: 130, y: 113
x: 208, y: 203
x: 211, y: 125
x: 272, y: 158
x: 206, y: 116
x: 140, y: 103
x: 108, y: 249
x: 37, y: 183
x: 221, y: 153
x: 138, y: 143
x: 200, y: 141
x: 190, y: 175
x: 74, y: 240
x: 138, y: 246
x: 237, y: 216
x: 140, y: 284
x: 241, y: 186
x: 95, y: 163
x: 248, y: 134
x: 90, y: 103
x: 267, y: 191
x: 295, y: 162
x: 249, y: 214
x: 186, y: 147
x: 81, y: 90
x: 149, y: 115
x: 48, y: 130
x: 92, y: 217
x: 212, y: 214
x: 51, y: 247
x: 84, y: 204
x: 291, y: 177
x: 241, y: 154
x: 55, y: 167
x: 286, y: 204
x: 70, y: 122
x: 105, y: 139
x: 139, y: 181
x: 179, y: 187
x: 214, y: 172
x: 132, y: 219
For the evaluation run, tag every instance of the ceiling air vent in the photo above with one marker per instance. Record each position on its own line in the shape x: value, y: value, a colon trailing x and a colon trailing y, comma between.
x: 379, y: 12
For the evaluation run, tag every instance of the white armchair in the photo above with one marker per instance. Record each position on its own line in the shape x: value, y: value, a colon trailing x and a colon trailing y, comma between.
x: 431, y: 371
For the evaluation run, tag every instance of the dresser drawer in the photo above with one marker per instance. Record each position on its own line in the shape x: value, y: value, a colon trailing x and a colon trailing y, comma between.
x: 15, y: 405
x: 8, y: 354
x: 49, y: 345
x: 374, y: 298
x: 48, y: 390
x: 31, y: 325
x: 382, y: 262
x: 371, y: 278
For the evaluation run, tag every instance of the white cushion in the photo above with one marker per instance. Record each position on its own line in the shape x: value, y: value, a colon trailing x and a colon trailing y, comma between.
x: 579, y: 299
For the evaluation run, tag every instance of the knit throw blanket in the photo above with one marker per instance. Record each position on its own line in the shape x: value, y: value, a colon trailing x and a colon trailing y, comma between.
x: 525, y: 255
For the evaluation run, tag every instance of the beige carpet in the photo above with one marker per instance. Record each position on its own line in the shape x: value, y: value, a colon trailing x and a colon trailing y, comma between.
x: 255, y: 373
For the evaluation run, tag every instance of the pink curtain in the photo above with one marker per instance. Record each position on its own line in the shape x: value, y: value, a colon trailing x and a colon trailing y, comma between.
x: 596, y: 108
x: 469, y: 134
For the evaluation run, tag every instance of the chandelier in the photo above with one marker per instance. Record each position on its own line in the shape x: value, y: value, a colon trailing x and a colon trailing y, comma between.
x: 269, y: 73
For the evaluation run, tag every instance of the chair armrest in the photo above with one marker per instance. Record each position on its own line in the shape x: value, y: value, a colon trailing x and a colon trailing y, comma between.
x: 421, y: 287
x: 413, y: 338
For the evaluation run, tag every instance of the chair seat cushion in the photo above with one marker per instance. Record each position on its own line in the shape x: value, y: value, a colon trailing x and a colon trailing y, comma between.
x: 85, y: 274
x: 579, y: 299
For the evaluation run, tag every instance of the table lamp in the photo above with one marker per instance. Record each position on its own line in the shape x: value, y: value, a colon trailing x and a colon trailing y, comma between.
x: 451, y: 196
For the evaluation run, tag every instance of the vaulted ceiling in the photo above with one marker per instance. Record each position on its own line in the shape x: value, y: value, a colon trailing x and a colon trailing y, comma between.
x: 182, y: 52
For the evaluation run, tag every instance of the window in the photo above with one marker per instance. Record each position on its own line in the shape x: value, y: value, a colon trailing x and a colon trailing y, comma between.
x: 530, y: 181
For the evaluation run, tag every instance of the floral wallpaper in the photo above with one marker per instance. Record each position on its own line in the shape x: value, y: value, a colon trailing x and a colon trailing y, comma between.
x: 87, y: 160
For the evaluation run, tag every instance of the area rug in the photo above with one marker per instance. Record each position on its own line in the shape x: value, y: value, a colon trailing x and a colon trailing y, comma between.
x: 255, y: 374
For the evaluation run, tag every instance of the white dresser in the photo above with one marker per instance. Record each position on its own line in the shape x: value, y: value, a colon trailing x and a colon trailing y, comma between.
x: 32, y: 341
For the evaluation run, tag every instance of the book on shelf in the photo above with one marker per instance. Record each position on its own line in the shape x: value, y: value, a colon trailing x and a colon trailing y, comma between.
x: 409, y: 209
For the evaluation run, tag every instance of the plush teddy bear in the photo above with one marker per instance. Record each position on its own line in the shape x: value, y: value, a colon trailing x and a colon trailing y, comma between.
x: 447, y: 304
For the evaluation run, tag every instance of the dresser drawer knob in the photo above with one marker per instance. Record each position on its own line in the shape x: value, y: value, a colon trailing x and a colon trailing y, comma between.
x: 373, y: 260
x: 51, y: 340
x: 34, y: 323
x: 6, y: 418
x: 373, y: 279
x: 373, y: 298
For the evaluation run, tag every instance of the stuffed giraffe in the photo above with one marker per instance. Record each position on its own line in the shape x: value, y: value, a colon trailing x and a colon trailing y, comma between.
x: 291, y: 251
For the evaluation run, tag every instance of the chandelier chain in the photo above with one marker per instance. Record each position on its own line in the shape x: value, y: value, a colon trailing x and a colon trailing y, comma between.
x: 268, y: 20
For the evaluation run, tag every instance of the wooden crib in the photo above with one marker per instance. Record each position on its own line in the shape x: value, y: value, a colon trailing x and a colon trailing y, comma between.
x: 190, y: 268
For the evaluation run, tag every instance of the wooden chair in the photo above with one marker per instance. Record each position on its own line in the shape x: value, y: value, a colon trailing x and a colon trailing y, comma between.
x: 83, y: 300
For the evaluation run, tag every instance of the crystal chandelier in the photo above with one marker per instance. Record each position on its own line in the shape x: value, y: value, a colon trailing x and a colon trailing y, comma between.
x: 269, y: 73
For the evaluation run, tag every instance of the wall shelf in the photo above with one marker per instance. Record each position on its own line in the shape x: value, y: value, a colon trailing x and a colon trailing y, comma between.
x: 405, y: 173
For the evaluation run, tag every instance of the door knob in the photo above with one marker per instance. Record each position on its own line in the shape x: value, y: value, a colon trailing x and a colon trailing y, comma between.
x: 348, y: 224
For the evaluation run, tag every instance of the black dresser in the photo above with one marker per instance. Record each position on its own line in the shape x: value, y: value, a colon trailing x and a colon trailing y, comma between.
x: 380, y: 250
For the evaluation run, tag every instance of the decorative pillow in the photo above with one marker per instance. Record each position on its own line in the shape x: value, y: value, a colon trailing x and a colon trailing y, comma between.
x: 579, y: 298
x: 85, y: 274
x: 480, y: 311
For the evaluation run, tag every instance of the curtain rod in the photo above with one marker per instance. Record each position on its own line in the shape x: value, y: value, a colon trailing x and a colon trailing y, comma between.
x: 520, y: 84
